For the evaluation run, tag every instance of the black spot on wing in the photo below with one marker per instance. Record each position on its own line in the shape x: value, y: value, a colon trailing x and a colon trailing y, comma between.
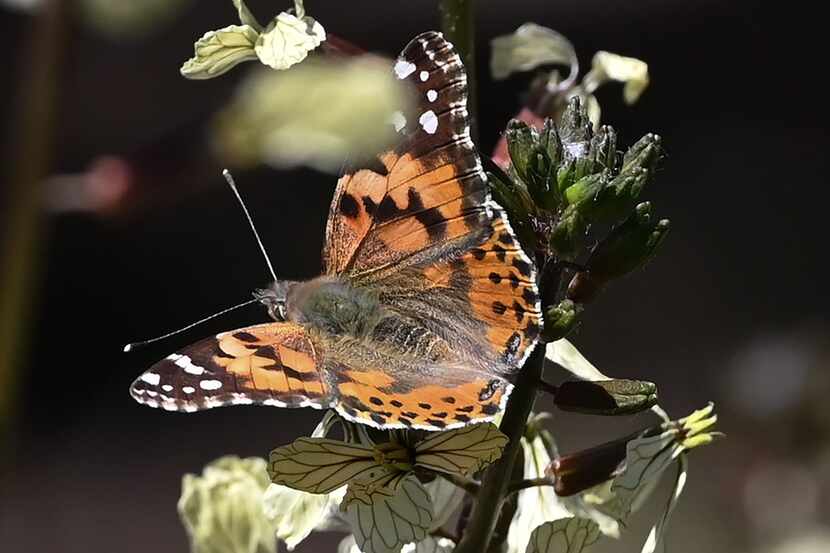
x: 349, y: 206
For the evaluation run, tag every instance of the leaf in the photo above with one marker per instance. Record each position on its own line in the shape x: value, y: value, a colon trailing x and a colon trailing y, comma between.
x: 563, y: 353
x: 388, y: 523
x: 321, y: 465
x: 529, y: 47
x: 287, y: 40
x: 246, y: 17
x: 569, y: 535
x: 461, y: 451
x: 613, y: 67
x: 219, y: 51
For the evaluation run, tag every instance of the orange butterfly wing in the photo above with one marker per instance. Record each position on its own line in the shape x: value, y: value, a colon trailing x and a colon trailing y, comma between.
x: 426, y: 206
x: 269, y: 364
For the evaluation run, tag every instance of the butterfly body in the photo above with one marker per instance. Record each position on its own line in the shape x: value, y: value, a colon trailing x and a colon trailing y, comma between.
x: 427, y: 305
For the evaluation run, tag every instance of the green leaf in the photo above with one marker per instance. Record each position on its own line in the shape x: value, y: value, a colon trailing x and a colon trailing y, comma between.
x: 529, y: 47
x: 287, y: 40
x: 321, y: 465
x: 461, y: 451
x: 219, y: 51
x: 246, y: 17
x: 569, y: 535
x: 389, y: 521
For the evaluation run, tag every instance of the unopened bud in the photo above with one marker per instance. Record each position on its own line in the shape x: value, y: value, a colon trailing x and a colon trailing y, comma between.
x: 606, y: 397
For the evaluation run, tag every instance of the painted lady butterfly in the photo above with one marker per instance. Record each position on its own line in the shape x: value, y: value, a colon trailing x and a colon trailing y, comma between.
x: 427, y: 305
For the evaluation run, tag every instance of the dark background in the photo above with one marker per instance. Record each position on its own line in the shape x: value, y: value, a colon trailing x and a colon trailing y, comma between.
x: 733, y: 310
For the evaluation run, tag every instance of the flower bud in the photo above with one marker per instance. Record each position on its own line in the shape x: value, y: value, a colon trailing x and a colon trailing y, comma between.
x: 560, y: 319
x: 606, y: 397
x: 630, y: 245
x: 521, y: 144
x: 585, y: 469
x: 646, y: 153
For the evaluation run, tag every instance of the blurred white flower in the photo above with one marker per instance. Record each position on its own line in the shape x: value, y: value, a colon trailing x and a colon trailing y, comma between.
x: 222, y: 509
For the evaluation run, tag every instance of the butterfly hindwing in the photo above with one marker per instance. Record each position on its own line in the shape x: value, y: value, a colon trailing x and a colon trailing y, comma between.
x: 269, y: 364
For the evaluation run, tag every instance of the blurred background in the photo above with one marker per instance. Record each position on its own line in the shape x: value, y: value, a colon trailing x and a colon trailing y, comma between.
x: 121, y: 228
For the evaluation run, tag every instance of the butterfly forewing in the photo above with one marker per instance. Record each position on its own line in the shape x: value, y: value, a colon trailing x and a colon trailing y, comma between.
x: 270, y: 364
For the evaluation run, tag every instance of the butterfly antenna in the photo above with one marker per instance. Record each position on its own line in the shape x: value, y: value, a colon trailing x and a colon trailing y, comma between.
x: 232, y: 184
x: 130, y: 347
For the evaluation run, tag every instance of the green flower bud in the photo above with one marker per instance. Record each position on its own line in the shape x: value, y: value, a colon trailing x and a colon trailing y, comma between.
x: 604, y: 147
x: 560, y: 320
x: 646, y: 153
x: 515, y: 199
x: 569, y: 232
x: 630, y: 245
x: 549, y: 140
x: 521, y: 144
x: 606, y: 397
x: 575, y: 129
x: 222, y: 509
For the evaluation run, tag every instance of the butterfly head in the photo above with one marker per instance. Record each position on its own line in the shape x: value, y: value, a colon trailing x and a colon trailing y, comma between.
x: 273, y: 298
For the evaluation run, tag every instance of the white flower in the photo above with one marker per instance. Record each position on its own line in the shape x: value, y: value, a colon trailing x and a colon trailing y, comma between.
x: 222, y: 509
x: 296, y: 514
x: 288, y: 39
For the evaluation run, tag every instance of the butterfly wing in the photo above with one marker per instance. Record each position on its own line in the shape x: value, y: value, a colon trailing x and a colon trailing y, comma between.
x: 274, y: 364
x: 422, y: 219
x: 429, y: 190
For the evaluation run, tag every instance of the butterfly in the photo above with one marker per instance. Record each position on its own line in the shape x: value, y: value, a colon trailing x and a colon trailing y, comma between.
x: 427, y: 305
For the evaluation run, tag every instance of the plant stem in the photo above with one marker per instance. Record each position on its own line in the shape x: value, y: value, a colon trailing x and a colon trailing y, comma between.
x: 20, y: 224
x: 457, y: 22
x: 467, y: 484
x: 530, y: 483
x: 497, y: 477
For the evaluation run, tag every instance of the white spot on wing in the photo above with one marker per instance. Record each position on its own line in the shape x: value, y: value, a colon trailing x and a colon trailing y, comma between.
x: 424, y: 76
x: 404, y: 68
x: 210, y: 384
x: 399, y: 121
x: 188, y: 389
x: 185, y: 362
x: 429, y: 122
x: 151, y: 378
x: 167, y: 388
x: 432, y: 95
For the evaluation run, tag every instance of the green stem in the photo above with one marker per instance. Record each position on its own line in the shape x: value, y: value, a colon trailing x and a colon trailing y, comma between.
x: 457, y: 23
x: 496, y: 479
x: 467, y: 484
x: 20, y: 223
